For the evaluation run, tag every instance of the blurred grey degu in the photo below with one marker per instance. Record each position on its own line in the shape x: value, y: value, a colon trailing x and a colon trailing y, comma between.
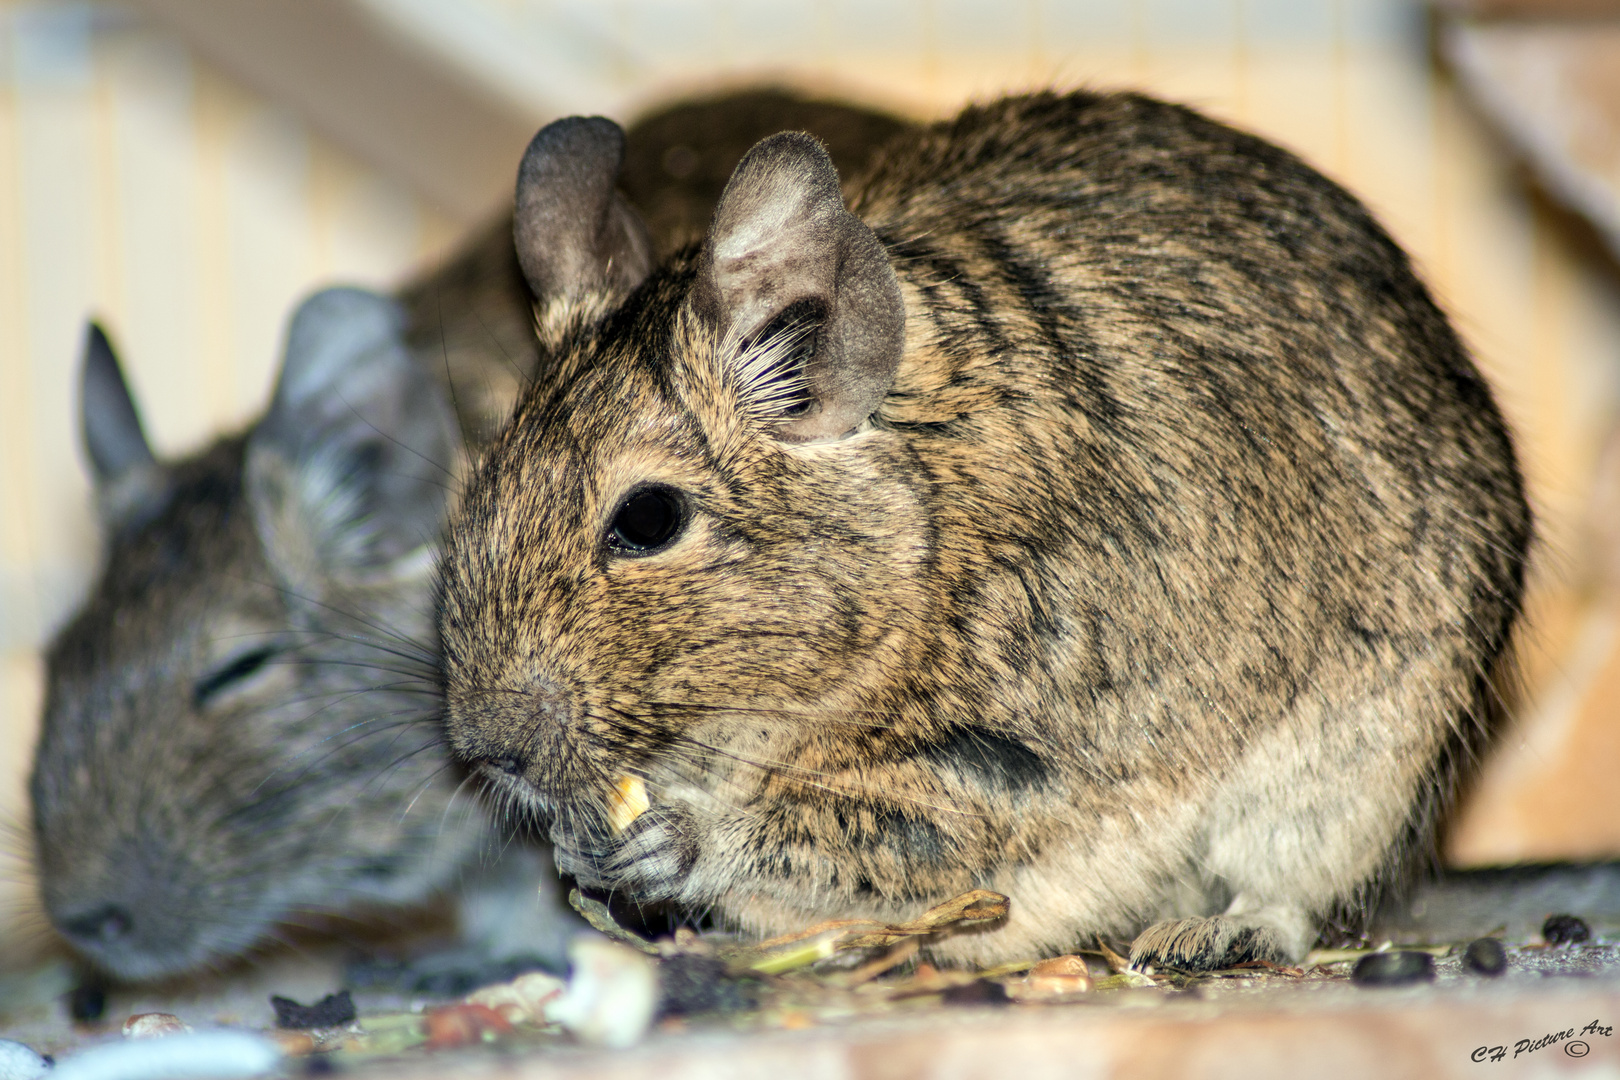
x: 1086, y: 502
x: 234, y: 722
x: 240, y: 730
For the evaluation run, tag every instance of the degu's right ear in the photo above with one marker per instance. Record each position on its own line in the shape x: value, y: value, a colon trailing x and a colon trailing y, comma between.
x: 575, y: 234
x: 125, y: 473
x: 805, y: 288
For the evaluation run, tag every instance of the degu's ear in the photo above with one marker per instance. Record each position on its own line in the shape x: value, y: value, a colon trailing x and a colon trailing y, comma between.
x: 126, y: 475
x: 351, y: 467
x: 803, y: 290
x: 574, y: 231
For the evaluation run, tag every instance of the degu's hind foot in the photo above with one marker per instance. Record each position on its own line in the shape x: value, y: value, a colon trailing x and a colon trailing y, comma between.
x: 1218, y: 942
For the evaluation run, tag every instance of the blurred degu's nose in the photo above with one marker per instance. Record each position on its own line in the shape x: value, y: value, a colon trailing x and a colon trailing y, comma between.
x: 133, y: 913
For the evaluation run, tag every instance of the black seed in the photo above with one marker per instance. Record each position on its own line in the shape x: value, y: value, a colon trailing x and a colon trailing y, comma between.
x: 87, y: 1003
x: 1393, y: 969
x: 1565, y: 930
x: 1485, y: 957
x: 332, y: 1010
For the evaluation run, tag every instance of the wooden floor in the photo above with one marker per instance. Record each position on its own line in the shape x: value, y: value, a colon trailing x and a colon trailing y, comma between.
x: 1260, y: 1025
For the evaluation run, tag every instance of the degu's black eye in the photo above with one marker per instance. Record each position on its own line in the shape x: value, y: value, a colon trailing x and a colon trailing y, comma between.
x: 648, y: 520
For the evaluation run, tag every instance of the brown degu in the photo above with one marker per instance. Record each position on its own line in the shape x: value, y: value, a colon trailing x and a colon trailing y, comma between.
x: 241, y: 724
x: 1087, y: 503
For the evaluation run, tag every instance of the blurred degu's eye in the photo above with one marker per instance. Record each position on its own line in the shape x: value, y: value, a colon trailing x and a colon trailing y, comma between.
x: 236, y: 672
x: 648, y: 520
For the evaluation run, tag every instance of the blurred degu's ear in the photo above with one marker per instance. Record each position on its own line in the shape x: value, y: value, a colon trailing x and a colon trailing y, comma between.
x: 351, y: 467
x: 111, y: 426
x: 126, y: 475
x: 803, y: 290
x: 574, y: 231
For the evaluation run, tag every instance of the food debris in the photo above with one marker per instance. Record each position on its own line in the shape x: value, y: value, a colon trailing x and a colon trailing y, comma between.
x: 885, y: 963
x: 1329, y: 957
x: 626, y: 801
x: 790, y: 951
x: 521, y: 1001
x: 1052, y: 980
x: 460, y: 1025
x: 333, y: 1010
x: 601, y: 920
x: 611, y: 996
x: 828, y: 973
x: 1117, y: 964
x: 19, y: 1061
x: 221, y: 1055
x: 386, y: 1034
x: 294, y: 1043
x: 154, y: 1025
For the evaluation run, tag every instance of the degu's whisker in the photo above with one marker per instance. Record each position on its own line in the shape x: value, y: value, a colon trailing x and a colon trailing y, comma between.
x: 820, y: 779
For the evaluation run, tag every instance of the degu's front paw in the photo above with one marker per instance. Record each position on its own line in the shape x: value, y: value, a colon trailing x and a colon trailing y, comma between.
x: 1211, y: 943
x: 647, y: 854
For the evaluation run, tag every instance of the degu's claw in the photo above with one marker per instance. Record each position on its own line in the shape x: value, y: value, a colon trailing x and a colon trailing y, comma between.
x: 626, y: 801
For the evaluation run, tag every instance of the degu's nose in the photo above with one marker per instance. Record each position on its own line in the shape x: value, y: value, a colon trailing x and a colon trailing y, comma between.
x: 504, y: 733
x: 138, y: 914
x: 511, y: 766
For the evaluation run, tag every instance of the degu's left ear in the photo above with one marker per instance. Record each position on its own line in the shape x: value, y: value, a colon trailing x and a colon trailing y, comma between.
x: 573, y: 230
x: 805, y: 291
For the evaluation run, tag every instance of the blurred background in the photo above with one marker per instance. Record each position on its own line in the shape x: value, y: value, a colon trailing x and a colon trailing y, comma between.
x: 187, y: 169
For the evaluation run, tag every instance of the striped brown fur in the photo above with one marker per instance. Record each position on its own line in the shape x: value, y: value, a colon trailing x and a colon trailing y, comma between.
x: 1157, y: 581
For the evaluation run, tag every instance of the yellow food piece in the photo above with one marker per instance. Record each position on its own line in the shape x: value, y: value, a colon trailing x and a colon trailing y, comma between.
x: 626, y: 801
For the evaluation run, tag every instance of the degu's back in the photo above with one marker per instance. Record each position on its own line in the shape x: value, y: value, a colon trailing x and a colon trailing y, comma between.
x: 240, y: 729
